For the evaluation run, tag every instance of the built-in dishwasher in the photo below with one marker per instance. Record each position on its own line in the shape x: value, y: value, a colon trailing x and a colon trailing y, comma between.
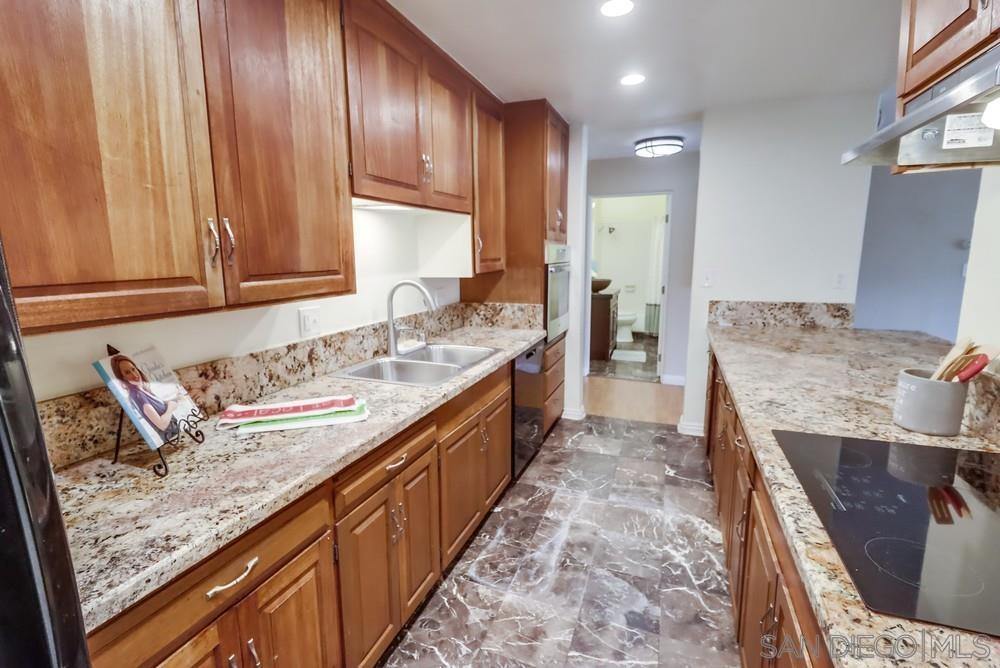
x: 528, y: 430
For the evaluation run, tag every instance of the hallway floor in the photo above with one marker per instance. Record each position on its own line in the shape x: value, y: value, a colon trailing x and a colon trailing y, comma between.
x: 625, y: 370
x: 633, y: 400
x: 606, y: 552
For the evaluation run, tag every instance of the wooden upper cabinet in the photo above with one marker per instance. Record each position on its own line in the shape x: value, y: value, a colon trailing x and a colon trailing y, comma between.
x: 936, y: 35
x: 411, y: 113
x: 107, y: 183
x: 489, y: 214
x: 279, y: 135
x: 385, y: 73
x: 557, y: 160
x: 448, y: 122
x: 292, y: 619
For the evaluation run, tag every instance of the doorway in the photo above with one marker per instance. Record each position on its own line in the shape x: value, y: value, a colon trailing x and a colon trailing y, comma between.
x: 629, y: 254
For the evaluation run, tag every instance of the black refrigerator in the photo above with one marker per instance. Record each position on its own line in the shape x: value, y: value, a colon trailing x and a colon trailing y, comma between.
x: 41, y: 624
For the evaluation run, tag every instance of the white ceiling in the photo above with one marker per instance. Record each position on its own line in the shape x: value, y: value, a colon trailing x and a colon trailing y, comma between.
x: 696, y: 54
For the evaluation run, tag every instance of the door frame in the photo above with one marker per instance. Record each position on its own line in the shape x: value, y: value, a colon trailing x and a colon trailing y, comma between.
x: 664, y: 283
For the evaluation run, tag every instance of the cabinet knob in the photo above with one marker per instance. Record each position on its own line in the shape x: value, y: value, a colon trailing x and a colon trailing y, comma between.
x: 232, y: 241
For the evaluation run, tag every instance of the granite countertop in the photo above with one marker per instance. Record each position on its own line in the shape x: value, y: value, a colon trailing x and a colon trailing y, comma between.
x: 131, y: 532
x: 839, y: 382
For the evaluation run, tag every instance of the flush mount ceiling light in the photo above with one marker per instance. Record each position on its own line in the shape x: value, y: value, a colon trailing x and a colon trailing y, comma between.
x: 632, y: 79
x: 614, y: 8
x: 659, y: 147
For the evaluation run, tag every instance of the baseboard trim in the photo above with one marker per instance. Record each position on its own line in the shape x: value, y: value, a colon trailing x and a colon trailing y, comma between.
x: 691, y: 428
x: 672, y: 379
x: 574, y: 414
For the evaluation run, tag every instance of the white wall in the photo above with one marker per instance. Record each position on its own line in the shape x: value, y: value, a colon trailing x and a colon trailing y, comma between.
x: 577, y: 338
x: 629, y: 255
x: 980, y: 318
x: 677, y: 175
x: 385, y: 243
x: 779, y: 218
x: 915, y: 250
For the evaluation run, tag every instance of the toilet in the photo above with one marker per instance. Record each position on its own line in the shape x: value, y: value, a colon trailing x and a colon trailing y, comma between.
x: 625, y: 321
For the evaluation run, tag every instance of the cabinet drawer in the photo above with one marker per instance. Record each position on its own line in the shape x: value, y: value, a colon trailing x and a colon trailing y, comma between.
x: 368, y: 477
x: 553, y: 354
x: 145, y: 632
x: 555, y: 376
x: 553, y: 407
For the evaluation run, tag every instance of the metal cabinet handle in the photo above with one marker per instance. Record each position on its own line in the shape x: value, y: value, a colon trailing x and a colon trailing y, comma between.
x: 253, y: 653
x: 216, y: 241
x: 729, y: 406
x: 767, y: 611
x: 482, y: 439
x: 719, y: 381
x: 396, y: 465
x: 239, y: 578
x: 741, y: 527
x: 232, y: 661
x: 232, y: 241
x: 479, y: 244
x: 739, y: 442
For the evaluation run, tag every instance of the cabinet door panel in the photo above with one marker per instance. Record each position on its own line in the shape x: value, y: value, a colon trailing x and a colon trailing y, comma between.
x: 281, y: 147
x: 217, y: 646
x: 291, y: 619
x: 489, y: 217
x: 461, y: 457
x: 760, y: 583
x: 556, y: 162
x: 497, y: 423
x: 936, y: 34
x: 369, y: 577
x: 420, y: 542
x: 107, y: 180
x: 792, y: 649
x: 384, y: 62
x: 448, y: 128
x: 736, y: 558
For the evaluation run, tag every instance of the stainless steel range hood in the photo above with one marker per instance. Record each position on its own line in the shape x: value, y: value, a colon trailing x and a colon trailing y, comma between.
x: 942, y: 128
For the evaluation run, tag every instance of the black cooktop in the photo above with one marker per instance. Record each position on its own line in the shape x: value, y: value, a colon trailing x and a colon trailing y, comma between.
x: 918, y: 527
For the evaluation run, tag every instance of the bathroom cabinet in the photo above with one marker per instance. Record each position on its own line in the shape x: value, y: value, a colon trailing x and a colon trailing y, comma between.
x: 603, y: 324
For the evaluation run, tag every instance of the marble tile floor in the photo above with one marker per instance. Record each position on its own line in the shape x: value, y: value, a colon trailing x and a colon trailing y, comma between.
x: 644, y: 371
x: 607, y: 552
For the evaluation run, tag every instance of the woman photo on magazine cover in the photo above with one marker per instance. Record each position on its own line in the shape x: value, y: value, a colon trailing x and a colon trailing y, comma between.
x: 157, y: 412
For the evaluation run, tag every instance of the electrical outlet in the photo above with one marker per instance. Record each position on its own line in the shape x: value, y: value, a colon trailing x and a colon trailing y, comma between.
x: 309, y: 321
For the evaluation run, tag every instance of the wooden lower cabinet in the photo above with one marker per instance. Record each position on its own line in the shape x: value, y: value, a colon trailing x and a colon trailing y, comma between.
x: 774, y: 622
x: 369, y: 576
x: 217, y: 646
x: 461, y: 482
x: 497, y: 424
x: 289, y: 620
x: 418, y: 523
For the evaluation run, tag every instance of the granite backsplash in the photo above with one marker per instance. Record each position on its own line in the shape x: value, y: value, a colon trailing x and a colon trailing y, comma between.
x: 780, y: 314
x: 82, y: 425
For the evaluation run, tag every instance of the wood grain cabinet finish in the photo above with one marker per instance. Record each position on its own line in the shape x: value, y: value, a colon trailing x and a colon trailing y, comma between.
x: 489, y: 214
x: 280, y: 146
x: 557, y: 158
x: 497, y: 421
x: 107, y: 179
x: 936, y: 35
x: 461, y: 487
x: 369, y: 577
x: 760, y: 583
x: 410, y: 113
x: 216, y: 646
x: 418, y: 526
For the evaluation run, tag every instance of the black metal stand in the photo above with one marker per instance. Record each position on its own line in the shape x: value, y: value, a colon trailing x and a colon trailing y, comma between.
x: 187, y: 426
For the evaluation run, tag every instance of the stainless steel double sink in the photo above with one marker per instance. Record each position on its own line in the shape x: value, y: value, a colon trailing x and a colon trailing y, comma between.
x: 427, y: 366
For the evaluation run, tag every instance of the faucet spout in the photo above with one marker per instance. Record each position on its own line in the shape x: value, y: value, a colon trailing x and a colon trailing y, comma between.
x: 428, y: 301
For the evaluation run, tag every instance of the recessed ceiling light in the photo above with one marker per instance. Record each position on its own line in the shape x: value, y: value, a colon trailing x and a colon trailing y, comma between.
x: 632, y: 79
x: 659, y: 147
x: 615, y: 8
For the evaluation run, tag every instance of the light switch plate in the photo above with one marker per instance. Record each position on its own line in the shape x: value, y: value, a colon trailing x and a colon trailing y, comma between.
x: 308, y: 321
